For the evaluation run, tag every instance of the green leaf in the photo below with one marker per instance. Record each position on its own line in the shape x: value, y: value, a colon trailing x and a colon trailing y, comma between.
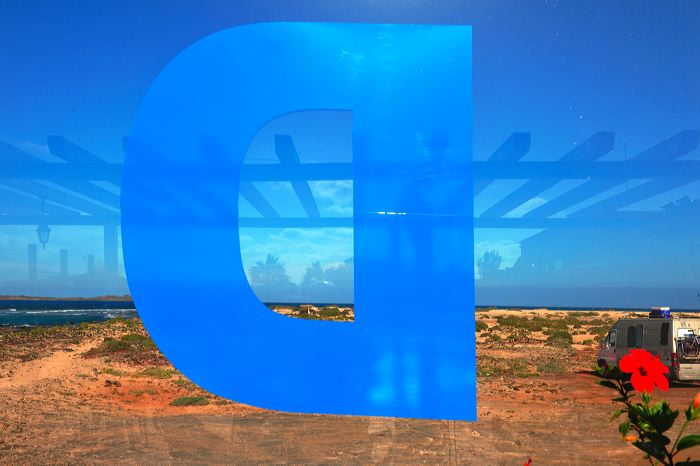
x: 646, y: 426
x: 664, y: 418
x: 688, y: 441
x: 624, y: 427
x: 616, y: 414
x: 621, y: 399
x: 646, y: 398
x: 615, y: 373
x: 653, y: 450
x: 600, y: 371
x: 607, y: 383
x: 658, y: 438
x: 638, y: 411
x: 692, y: 413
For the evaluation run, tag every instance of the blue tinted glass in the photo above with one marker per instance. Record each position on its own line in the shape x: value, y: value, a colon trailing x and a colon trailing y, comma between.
x: 410, y: 351
x: 296, y: 236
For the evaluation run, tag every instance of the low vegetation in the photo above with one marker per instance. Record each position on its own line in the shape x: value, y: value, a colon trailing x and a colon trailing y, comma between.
x: 185, y: 383
x: 26, y: 343
x: 490, y: 366
x: 112, y: 371
x: 311, y: 312
x: 560, y: 338
x: 156, y: 373
x: 519, y: 345
x: 136, y: 348
x: 551, y: 367
x: 149, y: 391
x: 190, y: 401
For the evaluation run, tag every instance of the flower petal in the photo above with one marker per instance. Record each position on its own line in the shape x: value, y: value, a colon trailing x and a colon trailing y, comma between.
x: 661, y: 381
x: 642, y: 383
x: 640, y: 354
x: 655, y: 365
x: 629, y: 364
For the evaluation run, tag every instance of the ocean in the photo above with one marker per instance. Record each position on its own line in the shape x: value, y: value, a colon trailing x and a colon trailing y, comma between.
x: 23, y: 313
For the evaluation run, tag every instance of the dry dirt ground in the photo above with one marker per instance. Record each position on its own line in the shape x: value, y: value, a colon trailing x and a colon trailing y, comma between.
x: 76, y: 395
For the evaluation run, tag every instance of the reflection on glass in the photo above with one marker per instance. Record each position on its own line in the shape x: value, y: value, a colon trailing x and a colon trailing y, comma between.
x: 297, y: 233
x: 589, y: 231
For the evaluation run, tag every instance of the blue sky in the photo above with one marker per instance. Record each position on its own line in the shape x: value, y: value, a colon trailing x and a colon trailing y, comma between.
x: 320, y: 137
x: 559, y: 70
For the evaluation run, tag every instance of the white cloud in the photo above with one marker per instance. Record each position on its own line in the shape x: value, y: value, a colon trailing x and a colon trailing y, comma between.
x: 297, y: 248
x: 334, y: 197
x: 333, y: 190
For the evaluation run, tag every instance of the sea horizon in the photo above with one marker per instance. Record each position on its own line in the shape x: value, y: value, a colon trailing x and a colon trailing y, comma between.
x: 39, y: 311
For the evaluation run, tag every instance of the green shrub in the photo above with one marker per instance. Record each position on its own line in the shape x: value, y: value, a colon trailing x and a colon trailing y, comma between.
x: 329, y: 312
x: 488, y: 366
x: 551, y: 367
x: 111, y: 371
x: 156, y: 373
x: 190, y: 401
x: 132, y: 348
x: 481, y: 326
x: 534, y: 324
x: 571, y: 319
x: 111, y: 345
x: 137, y: 339
x: 599, y: 332
x: 184, y: 383
x: 38, y: 332
x: 560, y: 338
x: 518, y: 335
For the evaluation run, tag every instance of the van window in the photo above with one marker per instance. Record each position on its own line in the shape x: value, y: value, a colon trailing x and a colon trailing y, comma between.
x: 663, y: 340
x: 640, y: 336
x: 612, y: 339
x: 635, y: 336
x: 631, y: 337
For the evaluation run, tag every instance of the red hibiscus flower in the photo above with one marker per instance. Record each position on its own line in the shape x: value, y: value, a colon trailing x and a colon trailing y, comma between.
x: 647, y: 371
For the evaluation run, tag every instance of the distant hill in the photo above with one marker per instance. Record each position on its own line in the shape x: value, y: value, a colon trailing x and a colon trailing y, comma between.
x: 125, y: 297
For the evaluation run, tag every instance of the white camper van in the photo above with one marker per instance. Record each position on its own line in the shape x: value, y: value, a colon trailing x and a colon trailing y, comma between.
x: 675, y: 339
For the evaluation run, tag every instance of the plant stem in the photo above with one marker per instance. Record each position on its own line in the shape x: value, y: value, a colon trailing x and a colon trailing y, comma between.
x: 680, y: 434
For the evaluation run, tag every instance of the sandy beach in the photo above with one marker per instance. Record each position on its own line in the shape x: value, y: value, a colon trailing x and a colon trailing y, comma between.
x: 103, y: 393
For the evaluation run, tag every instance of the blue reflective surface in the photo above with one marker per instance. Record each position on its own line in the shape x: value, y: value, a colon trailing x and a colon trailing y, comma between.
x: 410, y: 351
x: 296, y: 235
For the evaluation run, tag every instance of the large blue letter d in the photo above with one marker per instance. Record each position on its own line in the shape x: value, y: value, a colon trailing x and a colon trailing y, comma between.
x: 410, y: 351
